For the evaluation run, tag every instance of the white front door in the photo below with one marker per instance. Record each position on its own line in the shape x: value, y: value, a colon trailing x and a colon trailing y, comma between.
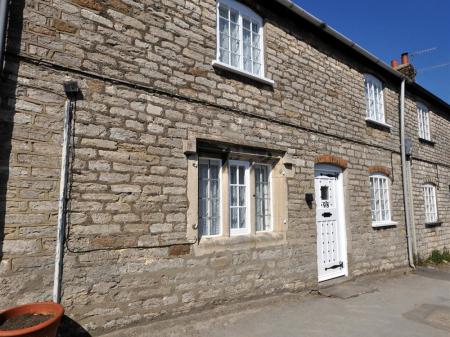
x: 330, y: 220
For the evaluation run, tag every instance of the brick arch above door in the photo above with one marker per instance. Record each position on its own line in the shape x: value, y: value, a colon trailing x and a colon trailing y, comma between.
x: 331, y: 159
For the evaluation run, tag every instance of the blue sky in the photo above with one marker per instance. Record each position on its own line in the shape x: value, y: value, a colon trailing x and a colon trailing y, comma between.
x: 387, y: 28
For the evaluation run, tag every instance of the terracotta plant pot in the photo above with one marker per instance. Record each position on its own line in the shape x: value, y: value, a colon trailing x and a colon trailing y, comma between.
x: 44, y: 329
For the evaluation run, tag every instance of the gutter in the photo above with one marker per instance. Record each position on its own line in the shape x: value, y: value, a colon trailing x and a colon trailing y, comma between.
x: 71, y: 89
x: 4, y: 8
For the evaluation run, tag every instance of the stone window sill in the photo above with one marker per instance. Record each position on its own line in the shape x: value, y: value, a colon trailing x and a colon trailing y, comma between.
x: 224, y: 66
x: 213, y: 244
x: 433, y: 224
x: 379, y: 125
x: 386, y: 224
x: 426, y: 141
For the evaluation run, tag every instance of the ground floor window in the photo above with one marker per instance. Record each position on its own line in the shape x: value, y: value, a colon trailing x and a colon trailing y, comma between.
x: 379, y: 193
x: 239, y: 197
x: 209, y: 196
x: 429, y: 194
x: 247, y: 204
x: 263, y: 207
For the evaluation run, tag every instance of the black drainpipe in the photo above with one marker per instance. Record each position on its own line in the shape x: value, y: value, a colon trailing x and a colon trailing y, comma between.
x: 4, y: 7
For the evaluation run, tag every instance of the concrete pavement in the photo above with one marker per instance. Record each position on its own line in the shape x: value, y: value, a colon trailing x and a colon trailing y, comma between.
x: 411, y: 305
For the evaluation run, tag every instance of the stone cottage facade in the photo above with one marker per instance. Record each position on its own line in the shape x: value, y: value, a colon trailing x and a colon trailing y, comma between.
x: 220, y: 151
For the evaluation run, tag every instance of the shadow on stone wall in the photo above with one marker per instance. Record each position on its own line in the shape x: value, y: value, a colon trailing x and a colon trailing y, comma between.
x: 70, y: 328
x: 8, y: 87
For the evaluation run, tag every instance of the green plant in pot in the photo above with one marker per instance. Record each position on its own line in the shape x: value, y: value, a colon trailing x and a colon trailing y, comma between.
x: 31, y: 320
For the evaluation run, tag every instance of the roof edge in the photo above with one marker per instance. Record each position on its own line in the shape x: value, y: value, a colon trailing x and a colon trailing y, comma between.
x: 293, y: 7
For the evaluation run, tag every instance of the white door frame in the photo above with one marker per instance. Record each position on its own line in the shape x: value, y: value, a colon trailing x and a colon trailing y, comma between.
x: 342, y: 235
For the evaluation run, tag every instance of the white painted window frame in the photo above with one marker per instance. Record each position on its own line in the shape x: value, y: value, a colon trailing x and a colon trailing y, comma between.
x: 430, y: 203
x: 378, y: 114
x: 269, y: 168
x: 244, y: 12
x: 378, y: 197
x: 423, y: 116
x: 247, y: 229
x: 200, y: 159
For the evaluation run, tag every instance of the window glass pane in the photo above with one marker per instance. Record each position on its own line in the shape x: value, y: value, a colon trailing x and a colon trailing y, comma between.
x: 234, y: 16
x: 202, y: 228
x: 215, y: 230
x: 256, y: 68
x: 224, y: 33
x: 242, y: 196
x: 234, y: 196
x: 247, y: 51
x: 202, y: 188
x: 241, y: 175
x: 203, y: 171
x: 224, y: 56
x: 233, y: 171
x: 234, y: 28
x: 202, y: 208
x: 242, y: 217
x: 234, y: 218
x: 255, y: 40
x: 255, y: 27
x: 235, y: 60
x: 235, y: 47
x: 246, y: 23
x: 259, y: 207
x: 214, y: 208
x: 255, y: 54
x: 214, y: 189
x: 223, y: 11
x: 214, y: 171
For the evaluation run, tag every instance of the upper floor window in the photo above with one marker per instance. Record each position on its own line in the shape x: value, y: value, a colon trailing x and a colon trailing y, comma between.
x: 423, y: 116
x: 374, y: 99
x: 429, y: 194
x: 379, y: 193
x: 240, y: 37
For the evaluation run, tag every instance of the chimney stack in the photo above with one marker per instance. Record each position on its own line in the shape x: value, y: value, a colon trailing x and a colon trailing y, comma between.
x: 405, y: 68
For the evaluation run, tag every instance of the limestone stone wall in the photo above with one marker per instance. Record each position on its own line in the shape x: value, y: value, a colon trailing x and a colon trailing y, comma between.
x: 434, y: 237
x: 144, y: 68
x: 430, y: 163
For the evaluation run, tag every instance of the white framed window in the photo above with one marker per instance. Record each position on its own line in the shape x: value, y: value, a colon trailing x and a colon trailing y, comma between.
x: 239, y: 190
x: 423, y: 117
x: 209, y: 204
x: 380, y: 204
x: 239, y: 38
x: 374, y: 99
x: 234, y: 198
x: 263, y: 205
x: 429, y: 195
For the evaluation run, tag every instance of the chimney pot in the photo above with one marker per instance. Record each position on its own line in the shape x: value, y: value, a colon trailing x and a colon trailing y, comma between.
x: 394, y: 63
x: 405, y: 58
